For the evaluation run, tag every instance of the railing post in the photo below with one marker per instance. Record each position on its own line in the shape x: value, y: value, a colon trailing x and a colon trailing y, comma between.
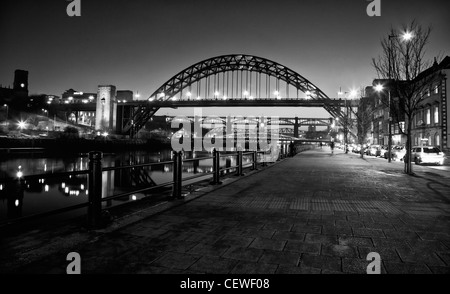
x: 239, y: 162
x: 177, y: 174
x: 255, y: 160
x: 216, y: 168
x: 95, y: 189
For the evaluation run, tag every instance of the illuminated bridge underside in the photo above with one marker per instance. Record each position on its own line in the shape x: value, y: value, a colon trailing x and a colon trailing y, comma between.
x: 245, y: 68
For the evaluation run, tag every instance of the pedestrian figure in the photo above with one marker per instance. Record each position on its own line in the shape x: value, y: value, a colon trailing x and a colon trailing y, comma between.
x: 320, y: 145
x: 291, y: 149
x: 332, y: 147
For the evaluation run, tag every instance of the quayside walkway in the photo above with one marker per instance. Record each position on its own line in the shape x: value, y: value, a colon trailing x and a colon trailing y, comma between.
x: 313, y: 213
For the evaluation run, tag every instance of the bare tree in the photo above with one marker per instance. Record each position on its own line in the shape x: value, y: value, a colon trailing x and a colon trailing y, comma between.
x: 402, y: 61
x: 360, y: 120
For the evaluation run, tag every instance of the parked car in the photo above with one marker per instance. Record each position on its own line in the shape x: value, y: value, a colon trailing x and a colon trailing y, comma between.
x: 427, y: 154
x: 381, y: 151
x: 372, y: 150
x: 398, y: 153
x: 357, y: 149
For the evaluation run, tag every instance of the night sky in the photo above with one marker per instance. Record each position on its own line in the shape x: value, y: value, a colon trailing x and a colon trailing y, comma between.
x: 138, y: 45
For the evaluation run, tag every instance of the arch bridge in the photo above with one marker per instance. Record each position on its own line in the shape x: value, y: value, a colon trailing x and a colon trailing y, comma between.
x: 230, y: 80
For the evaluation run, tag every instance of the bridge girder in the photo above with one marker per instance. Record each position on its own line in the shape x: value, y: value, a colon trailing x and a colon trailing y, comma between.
x: 221, y: 64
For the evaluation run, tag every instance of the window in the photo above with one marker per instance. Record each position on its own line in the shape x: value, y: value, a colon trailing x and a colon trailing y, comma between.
x: 428, y: 93
x: 437, y: 140
x: 436, y: 89
x: 428, y: 116
x: 436, y: 114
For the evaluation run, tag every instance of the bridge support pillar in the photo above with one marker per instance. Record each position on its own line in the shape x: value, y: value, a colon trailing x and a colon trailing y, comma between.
x: 106, y: 109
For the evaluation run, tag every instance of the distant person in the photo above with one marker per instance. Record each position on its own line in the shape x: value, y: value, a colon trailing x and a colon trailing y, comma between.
x: 332, y: 147
x: 320, y: 145
x: 291, y: 149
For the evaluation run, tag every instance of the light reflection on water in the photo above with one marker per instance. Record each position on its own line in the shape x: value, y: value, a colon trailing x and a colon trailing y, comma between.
x: 22, y: 198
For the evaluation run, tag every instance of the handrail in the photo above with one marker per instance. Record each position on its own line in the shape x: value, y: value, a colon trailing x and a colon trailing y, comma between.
x: 95, y: 182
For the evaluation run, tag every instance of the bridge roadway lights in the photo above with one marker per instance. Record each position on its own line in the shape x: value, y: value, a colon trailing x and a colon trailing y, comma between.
x: 177, y: 174
x: 95, y: 190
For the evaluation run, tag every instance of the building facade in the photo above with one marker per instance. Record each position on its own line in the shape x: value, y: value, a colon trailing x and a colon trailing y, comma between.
x: 17, y: 95
x: 72, y: 96
x: 430, y: 121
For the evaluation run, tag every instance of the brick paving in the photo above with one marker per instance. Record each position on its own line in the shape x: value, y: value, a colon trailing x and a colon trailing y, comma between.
x: 311, y: 214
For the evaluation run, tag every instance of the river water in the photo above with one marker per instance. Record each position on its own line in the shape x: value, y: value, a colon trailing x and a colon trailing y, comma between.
x: 20, y: 198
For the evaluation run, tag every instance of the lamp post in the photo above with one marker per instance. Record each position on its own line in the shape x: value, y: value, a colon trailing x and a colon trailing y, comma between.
x: 7, y: 109
x: 353, y: 94
x: 345, y: 121
x: 406, y: 37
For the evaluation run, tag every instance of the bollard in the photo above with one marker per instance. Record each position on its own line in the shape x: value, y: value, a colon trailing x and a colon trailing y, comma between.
x: 177, y: 175
x: 239, y: 162
x: 227, y: 165
x: 216, y: 168
x: 255, y: 160
x: 95, y: 189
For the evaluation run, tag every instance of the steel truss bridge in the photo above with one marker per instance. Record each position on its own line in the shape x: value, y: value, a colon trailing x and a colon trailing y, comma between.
x: 235, y: 80
x: 230, y: 80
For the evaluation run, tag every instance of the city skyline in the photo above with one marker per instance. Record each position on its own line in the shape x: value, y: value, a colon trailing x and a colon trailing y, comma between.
x: 138, y: 46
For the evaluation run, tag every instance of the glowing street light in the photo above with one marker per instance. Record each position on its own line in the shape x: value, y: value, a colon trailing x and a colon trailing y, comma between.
x: 379, y: 88
x: 216, y: 94
x: 353, y: 93
x: 407, y: 36
x: 21, y: 124
x: 137, y: 95
x: 189, y: 94
x: 308, y: 94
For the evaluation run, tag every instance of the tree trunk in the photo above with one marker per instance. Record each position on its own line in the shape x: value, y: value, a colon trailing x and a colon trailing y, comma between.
x: 408, y: 161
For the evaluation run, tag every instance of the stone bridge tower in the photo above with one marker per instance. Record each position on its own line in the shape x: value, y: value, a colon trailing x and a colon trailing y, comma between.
x: 106, y: 111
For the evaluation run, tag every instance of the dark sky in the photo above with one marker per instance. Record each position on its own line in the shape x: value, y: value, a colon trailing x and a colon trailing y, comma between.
x: 139, y: 44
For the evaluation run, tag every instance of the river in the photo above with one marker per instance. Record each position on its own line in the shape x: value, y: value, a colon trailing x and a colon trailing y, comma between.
x: 20, y: 198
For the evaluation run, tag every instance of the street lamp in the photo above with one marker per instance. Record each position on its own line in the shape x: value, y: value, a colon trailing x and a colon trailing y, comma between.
x: 406, y: 36
x: 7, y: 109
x: 21, y: 124
x: 352, y: 94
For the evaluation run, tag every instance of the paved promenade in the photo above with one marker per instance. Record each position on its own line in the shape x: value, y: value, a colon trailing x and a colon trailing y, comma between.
x: 315, y: 213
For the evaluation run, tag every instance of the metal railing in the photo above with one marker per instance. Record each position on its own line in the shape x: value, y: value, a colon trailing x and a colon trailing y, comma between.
x: 95, y: 185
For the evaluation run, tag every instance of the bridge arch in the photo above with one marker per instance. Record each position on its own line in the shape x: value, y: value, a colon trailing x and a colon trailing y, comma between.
x: 234, y: 63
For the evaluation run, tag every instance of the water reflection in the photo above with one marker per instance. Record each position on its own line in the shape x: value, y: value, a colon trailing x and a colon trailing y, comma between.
x: 25, y: 197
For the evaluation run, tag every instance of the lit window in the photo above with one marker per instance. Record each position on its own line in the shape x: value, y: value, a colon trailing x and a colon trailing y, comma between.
x: 428, y: 116
x: 436, y: 114
x: 436, y: 89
